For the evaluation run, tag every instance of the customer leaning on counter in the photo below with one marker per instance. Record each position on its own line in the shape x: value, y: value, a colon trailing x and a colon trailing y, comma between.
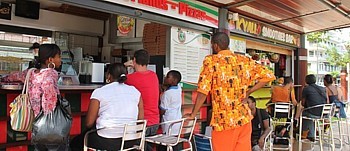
x: 146, y: 81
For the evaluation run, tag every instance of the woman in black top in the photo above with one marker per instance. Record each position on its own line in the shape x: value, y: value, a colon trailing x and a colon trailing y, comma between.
x: 333, y: 95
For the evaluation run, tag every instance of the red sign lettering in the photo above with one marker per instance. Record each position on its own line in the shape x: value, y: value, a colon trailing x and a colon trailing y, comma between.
x: 184, y: 9
x: 161, y: 4
x: 191, y: 12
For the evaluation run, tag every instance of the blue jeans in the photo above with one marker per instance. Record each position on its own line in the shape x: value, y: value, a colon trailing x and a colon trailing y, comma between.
x: 150, y: 131
x: 309, y: 124
x: 341, y: 106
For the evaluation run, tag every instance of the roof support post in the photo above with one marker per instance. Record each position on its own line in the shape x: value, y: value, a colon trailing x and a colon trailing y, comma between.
x: 223, y: 23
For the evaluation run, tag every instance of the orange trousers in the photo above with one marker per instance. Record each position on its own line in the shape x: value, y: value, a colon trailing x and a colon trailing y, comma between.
x: 237, y: 139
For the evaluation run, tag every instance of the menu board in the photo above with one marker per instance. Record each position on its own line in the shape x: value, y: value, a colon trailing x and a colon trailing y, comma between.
x: 187, y: 52
x: 237, y: 44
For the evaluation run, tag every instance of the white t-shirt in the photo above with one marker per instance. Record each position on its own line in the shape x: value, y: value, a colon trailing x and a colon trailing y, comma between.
x: 118, y: 105
x: 171, y: 102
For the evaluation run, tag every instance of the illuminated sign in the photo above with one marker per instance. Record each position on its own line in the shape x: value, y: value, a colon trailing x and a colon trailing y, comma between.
x: 192, y: 11
x: 263, y: 31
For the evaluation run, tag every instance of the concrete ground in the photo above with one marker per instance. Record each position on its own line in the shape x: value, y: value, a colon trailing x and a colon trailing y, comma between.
x: 346, y: 140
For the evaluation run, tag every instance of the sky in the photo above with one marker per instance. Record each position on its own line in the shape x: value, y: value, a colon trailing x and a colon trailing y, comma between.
x: 344, y: 34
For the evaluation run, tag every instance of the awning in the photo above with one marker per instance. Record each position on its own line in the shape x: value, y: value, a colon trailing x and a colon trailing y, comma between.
x: 300, y: 16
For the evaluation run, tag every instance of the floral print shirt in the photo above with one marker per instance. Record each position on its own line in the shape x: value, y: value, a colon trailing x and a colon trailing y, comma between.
x: 227, y: 77
x: 42, y: 88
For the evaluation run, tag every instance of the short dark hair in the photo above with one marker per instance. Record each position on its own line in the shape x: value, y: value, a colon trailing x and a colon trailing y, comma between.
x: 328, y: 78
x: 221, y: 39
x: 47, y: 51
x: 310, y: 79
x: 35, y: 46
x: 142, y: 57
x: 176, y: 75
x: 252, y: 98
x: 118, y: 72
x: 287, y: 80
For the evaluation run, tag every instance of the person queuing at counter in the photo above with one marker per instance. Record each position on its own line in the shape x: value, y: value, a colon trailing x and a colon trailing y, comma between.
x: 111, y: 105
x: 170, y: 105
x: 260, y: 125
x: 333, y: 95
x: 146, y: 82
x: 171, y: 101
x: 312, y: 95
x: 43, y: 90
x: 228, y: 77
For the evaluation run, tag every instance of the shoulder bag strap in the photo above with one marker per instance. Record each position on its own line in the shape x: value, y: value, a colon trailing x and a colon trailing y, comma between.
x: 258, y: 111
x: 26, y: 81
x: 331, y: 90
x: 319, y: 91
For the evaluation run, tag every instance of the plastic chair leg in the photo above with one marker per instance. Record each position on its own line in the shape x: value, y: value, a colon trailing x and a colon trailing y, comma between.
x: 347, y: 130
x: 300, y: 133
x: 331, y: 136
x: 340, y: 128
x: 319, y: 134
x: 169, y: 148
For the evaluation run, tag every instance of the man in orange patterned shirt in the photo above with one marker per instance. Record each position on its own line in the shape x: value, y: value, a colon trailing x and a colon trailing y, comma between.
x: 228, y: 77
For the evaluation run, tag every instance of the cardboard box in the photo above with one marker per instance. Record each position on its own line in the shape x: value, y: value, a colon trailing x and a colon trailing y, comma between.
x: 116, y: 52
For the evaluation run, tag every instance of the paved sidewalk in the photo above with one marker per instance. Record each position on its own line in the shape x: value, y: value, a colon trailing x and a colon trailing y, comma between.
x: 345, y: 147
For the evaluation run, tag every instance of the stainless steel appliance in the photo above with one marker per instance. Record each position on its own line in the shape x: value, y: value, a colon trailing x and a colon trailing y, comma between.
x: 98, y: 73
x: 90, y: 72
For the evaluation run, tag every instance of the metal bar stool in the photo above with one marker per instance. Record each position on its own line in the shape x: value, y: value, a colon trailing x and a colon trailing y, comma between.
x: 281, y: 110
x: 320, y: 121
x: 343, y: 126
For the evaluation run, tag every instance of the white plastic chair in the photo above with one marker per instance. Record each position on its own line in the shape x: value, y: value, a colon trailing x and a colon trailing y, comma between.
x: 285, y: 109
x: 132, y: 131
x: 168, y: 140
x: 320, y: 122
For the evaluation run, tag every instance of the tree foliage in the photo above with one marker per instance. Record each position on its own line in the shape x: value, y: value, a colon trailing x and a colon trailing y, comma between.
x: 317, y: 37
x: 335, y: 73
x: 333, y: 56
x: 336, y: 58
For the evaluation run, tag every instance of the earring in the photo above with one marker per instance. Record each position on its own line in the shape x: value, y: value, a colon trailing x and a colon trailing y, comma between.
x: 51, y: 63
x: 108, y: 81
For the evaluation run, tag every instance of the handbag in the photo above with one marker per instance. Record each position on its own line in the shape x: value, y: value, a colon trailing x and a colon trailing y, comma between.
x: 54, y: 127
x: 21, y: 113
